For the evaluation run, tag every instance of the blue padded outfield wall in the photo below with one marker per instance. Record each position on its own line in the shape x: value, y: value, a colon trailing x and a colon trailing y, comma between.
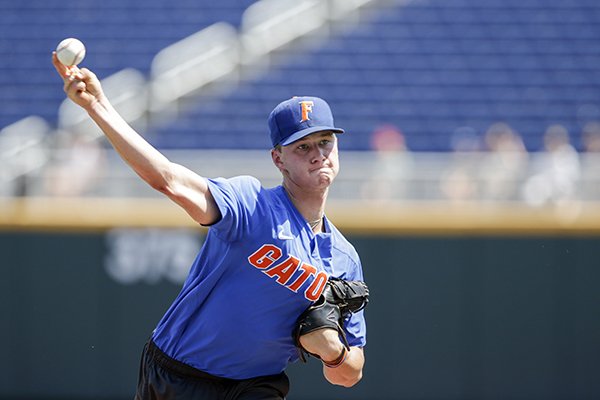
x: 458, y: 317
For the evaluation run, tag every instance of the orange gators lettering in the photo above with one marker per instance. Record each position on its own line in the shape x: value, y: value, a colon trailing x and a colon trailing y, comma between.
x: 285, y: 270
x: 316, y: 288
x: 306, y: 107
x: 307, y: 270
x: 265, y: 256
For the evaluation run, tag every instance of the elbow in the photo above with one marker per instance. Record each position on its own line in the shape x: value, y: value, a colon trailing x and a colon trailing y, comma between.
x: 346, y: 380
x: 160, y: 186
x: 159, y: 177
x: 353, y: 380
x: 160, y: 182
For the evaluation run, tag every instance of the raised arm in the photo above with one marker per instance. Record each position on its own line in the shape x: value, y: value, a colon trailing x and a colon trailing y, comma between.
x: 181, y: 185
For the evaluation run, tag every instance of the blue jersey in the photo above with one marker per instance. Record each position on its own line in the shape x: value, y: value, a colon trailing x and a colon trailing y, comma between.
x: 260, y: 267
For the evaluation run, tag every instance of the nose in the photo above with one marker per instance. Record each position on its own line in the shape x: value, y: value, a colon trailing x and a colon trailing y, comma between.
x: 320, y: 154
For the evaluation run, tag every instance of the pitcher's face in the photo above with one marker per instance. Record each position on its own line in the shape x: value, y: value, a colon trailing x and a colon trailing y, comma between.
x: 311, y: 162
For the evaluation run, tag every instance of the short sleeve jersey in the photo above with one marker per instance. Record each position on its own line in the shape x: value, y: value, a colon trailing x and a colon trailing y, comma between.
x: 260, y: 267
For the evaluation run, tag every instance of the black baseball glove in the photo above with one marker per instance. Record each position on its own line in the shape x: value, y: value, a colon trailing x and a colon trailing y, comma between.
x: 338, y: 301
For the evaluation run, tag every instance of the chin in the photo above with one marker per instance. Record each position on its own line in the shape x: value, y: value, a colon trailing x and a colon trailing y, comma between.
x: 325, y: 182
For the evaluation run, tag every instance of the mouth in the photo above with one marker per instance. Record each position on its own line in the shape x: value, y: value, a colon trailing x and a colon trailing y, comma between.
x: 322, y: 168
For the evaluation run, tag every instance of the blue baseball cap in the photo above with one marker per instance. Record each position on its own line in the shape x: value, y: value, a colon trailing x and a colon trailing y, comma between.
x: 298, y: 117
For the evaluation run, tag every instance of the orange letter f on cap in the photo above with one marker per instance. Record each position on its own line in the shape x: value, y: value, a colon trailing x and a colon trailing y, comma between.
x: 306, y: 107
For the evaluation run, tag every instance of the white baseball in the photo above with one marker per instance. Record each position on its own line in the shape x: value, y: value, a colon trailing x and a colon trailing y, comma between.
x: 70, y: 52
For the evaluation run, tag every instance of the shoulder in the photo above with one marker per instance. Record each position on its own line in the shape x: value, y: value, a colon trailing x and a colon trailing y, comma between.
x: 347, y: 252
x: 237, y: 188
x: 243, y: 204
x: 240, y: 183
x: 243, y: 192
x: 340, y: 242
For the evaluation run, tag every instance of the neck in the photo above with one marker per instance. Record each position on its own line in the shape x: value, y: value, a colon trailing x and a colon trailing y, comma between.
x: 310, y: 204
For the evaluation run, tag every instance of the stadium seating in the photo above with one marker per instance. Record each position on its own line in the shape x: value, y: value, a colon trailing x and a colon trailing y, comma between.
x: 118, y: 34
x: 429, y: 67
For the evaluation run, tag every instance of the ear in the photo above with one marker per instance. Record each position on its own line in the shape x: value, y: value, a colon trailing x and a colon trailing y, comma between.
x: 276, y: 157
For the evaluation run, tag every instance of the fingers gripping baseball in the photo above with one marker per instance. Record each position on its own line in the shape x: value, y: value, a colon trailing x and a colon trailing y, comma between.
x: 81, y: 85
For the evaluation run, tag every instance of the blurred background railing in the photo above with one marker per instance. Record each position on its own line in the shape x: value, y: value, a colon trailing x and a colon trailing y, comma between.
x: 529, y: 179
x: 387, y: 190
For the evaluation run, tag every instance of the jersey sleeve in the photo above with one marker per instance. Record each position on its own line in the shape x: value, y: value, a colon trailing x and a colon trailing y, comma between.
x: 237, y: 200
x: 355, y: 326
x: 356, y: 329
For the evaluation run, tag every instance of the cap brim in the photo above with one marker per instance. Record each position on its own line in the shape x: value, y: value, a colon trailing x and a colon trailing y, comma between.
x: 305, y: 132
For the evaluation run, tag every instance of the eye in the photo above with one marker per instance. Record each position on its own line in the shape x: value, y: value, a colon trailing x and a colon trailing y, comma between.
x: 303, y: 146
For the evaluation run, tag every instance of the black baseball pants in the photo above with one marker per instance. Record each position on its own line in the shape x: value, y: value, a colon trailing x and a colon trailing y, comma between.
x: 163, y: 378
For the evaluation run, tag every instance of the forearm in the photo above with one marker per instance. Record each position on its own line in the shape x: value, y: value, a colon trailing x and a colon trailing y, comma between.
x: 349, y: 372
x: 84, y: 89
x: 181, y: 185
x: 145, y: 160
x: 184, y: 187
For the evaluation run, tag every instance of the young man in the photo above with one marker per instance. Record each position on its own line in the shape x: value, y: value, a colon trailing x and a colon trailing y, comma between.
x: 267, y: 257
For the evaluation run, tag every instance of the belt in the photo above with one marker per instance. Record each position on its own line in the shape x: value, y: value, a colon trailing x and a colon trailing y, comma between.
x: 180, y: 368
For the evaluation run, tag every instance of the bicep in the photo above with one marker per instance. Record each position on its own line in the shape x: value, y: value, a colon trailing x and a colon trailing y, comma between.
x: 190, y: 191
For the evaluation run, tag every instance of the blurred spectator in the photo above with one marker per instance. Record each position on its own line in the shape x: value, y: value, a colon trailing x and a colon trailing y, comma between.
x: 23, y: 154
x: 77, y: 166
x: 459, y: 182
x: 591, y: 137
x: 590, y: 162
x: 505, y: 163
x: 392, y: 167
x: 558, y: 172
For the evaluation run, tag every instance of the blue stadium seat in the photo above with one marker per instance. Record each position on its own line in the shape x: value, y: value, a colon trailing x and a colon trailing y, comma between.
x: 431, y: 67
x: 428, y: 67
x: 118, y: 34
